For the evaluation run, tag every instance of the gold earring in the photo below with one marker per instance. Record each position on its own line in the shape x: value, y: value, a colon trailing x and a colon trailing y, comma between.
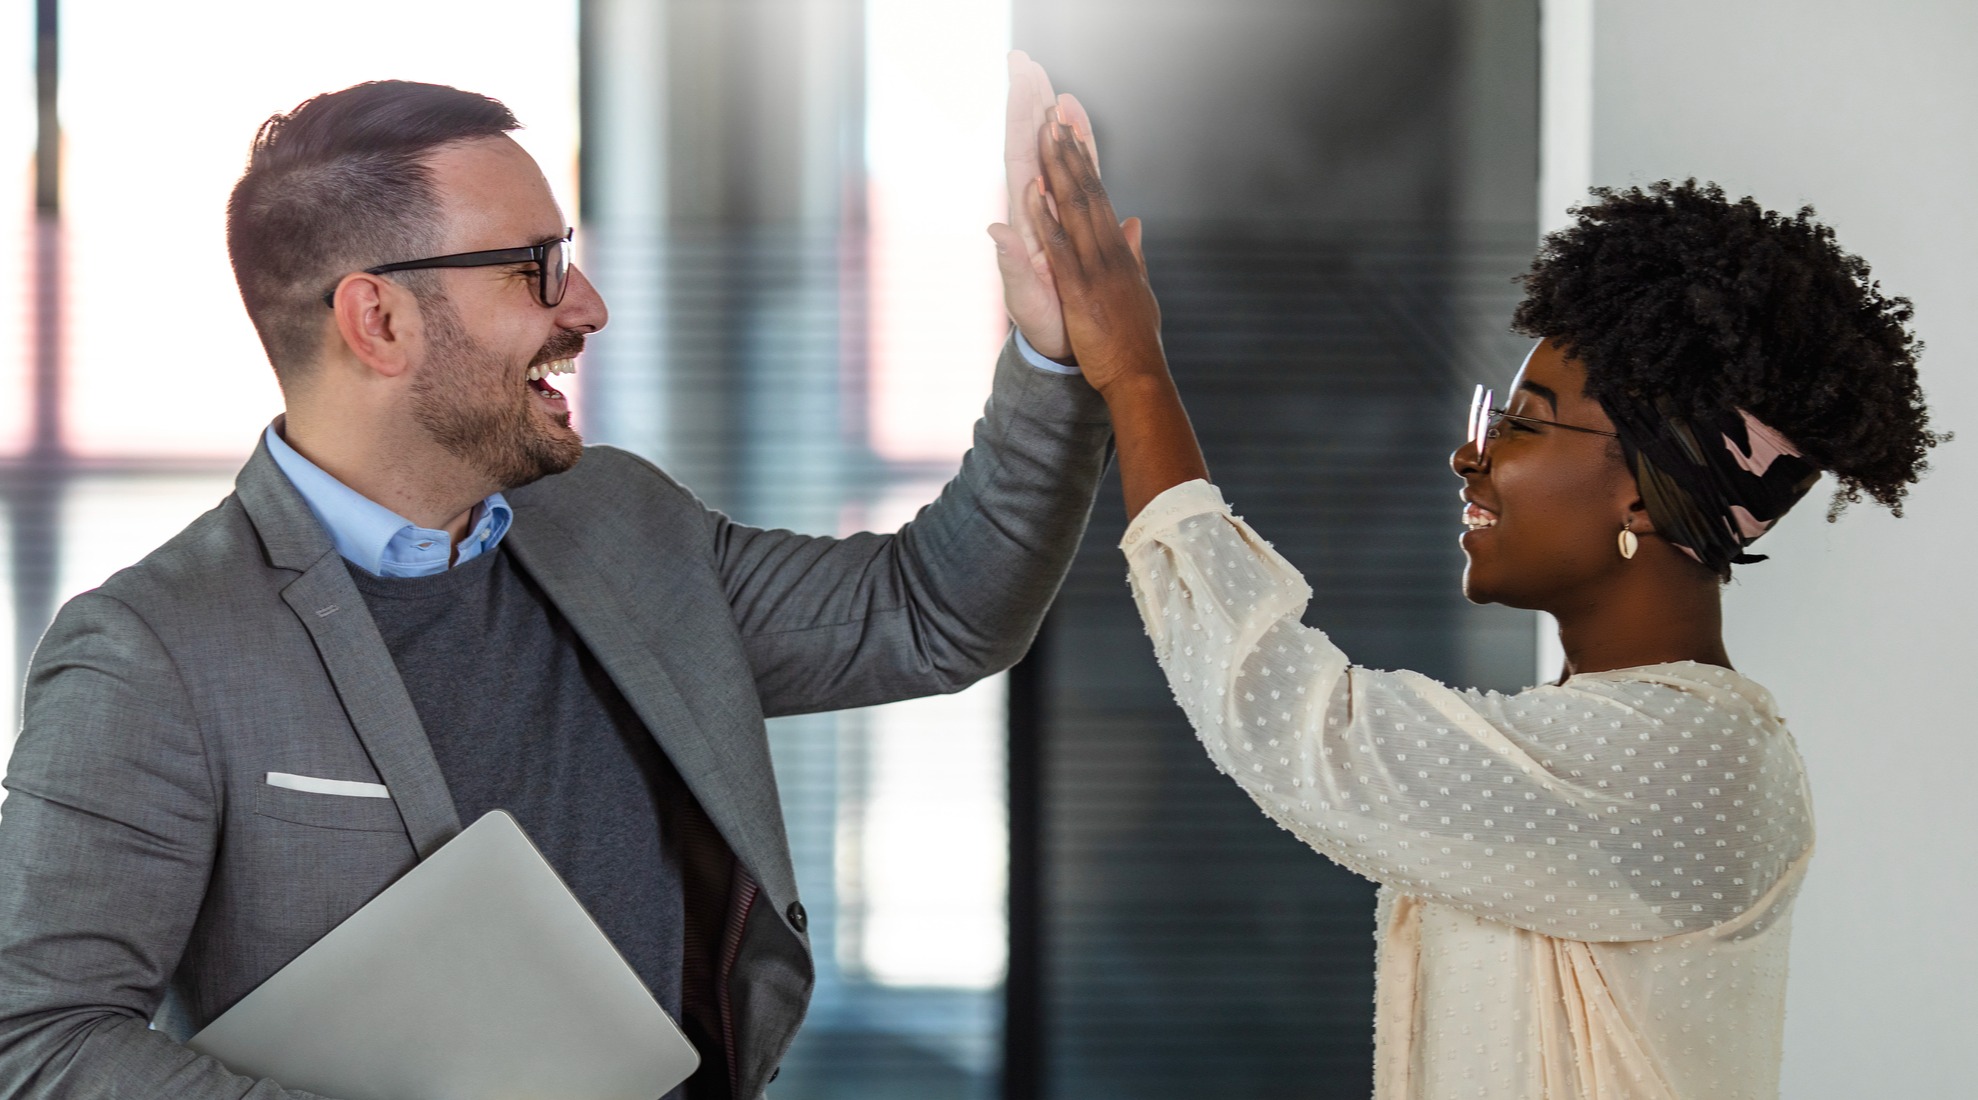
x: 1629, y: 542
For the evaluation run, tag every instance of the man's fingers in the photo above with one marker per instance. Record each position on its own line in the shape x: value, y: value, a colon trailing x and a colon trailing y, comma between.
x: 1014, y: 256
x: 1131, y: 228
x: 1008, y: 241
x: 1029, y: 100
x: 1030, y: 103
x: 1057, y: 243
x: 1029, y: 294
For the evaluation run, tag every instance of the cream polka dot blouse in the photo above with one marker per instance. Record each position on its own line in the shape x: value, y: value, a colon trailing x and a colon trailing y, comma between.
x: 1585, y: 888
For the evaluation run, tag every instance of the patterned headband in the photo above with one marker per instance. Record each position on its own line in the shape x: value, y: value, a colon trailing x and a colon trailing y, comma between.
x: 1712, y: 487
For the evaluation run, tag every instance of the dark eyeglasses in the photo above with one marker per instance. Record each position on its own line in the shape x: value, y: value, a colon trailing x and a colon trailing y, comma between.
x: 552, y: 260
x: 1484, y: 420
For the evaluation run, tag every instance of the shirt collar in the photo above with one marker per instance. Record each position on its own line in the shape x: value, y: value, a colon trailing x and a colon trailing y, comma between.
x: 375, y: 538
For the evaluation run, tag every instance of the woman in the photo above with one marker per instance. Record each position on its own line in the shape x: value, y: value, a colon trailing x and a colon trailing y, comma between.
x: 1586, y: 887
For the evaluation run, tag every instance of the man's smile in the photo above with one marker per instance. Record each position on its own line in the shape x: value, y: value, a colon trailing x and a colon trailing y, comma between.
x: 539, y: 375
x: 541, y: 371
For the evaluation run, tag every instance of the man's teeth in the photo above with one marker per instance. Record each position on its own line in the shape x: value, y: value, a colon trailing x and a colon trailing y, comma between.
x: 560, y: 366
x: 1478, y: 520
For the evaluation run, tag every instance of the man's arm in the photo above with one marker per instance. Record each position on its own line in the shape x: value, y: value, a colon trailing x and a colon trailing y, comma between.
x: 107, y: 839
x: 956, y: 594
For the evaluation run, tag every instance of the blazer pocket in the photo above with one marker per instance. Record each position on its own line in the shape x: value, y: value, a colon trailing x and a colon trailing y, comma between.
x: 327, y: 811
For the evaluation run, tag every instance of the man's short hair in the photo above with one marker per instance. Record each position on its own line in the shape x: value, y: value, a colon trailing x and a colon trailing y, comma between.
x: 337, y: 185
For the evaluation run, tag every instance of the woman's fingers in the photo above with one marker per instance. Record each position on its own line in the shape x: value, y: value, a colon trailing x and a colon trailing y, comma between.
x: 1130, y: 228
x: 1084, y: 211
x: 1081, y: 124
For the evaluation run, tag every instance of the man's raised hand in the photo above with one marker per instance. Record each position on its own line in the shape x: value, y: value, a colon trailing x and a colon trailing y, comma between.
x: 1029, y: 293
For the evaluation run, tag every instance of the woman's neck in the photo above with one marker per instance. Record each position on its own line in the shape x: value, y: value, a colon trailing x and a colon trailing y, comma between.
x: 1664, y: 611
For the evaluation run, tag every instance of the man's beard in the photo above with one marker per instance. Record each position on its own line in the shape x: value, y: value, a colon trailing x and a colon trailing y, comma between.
x: 455, y: 400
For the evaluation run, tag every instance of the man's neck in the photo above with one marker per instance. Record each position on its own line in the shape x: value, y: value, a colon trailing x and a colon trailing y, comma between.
x: 430, y: 489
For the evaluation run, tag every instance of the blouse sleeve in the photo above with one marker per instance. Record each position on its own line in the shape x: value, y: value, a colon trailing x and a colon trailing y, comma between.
x: 1612, y: 808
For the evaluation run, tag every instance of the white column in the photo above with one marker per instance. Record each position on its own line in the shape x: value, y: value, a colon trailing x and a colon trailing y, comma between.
x: 1864, y: 629
x: 1565, y: 171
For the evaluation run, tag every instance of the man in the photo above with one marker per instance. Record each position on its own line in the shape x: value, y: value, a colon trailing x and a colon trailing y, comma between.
x: 427, y: 599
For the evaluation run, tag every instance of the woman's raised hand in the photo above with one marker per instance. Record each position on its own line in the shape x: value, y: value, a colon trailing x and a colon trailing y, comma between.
x: 1111, y: 317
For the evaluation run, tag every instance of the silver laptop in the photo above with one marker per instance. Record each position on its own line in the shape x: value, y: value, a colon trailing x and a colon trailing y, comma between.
x: 476, y: 976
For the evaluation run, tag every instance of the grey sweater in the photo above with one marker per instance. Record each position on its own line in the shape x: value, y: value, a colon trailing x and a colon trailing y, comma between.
x: 522, y: 718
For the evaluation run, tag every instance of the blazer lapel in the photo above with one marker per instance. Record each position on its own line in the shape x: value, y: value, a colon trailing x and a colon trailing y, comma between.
x: 331, y: 609
x: 374, y: 697
x: 728, y: 770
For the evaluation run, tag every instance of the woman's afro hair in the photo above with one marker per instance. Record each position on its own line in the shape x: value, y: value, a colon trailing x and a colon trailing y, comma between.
x: 1675, y: 291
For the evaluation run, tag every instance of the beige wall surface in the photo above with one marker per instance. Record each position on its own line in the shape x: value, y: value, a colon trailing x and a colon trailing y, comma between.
x: 1866, y: 629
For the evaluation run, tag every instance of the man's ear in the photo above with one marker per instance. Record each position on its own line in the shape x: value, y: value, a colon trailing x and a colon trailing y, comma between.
x: 379, y: 322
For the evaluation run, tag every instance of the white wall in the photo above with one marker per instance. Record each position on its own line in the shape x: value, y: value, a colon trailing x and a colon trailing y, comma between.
x: 1865, y: 630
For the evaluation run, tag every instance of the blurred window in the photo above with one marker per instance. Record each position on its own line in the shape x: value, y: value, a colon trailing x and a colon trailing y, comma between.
x: 159, y: 357
x: 163, y: 388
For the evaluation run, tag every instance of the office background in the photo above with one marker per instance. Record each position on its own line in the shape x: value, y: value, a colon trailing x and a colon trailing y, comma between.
x: 783, y: 202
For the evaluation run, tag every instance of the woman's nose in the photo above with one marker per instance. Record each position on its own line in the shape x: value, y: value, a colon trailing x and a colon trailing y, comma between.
x: 1466, y: 459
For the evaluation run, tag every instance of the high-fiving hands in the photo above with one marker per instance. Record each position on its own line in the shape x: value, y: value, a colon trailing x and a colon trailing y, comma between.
x: 1111, y: 318
x: 1029, y: 293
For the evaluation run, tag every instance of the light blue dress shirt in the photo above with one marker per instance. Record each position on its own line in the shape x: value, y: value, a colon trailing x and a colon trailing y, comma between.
x: 377, y: 539
x: 1036, y: 359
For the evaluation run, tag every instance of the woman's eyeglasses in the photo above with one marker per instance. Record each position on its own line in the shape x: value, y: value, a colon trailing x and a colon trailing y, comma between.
x: 552, y: 260
x: 1484, y: 419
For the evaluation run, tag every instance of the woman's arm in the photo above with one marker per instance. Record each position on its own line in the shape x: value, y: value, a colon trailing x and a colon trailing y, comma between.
x: 1111, y: 318
x: 1610, y: 809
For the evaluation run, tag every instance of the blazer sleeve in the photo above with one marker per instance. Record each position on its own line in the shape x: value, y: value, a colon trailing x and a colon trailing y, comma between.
x: 954, y: 595
x: 107, y: 838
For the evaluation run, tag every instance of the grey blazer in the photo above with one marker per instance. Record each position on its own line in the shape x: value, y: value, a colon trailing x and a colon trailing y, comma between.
x: 149, y: 871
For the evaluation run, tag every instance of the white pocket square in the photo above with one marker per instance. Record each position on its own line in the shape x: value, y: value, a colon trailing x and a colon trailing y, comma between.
x: 346, y: 787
